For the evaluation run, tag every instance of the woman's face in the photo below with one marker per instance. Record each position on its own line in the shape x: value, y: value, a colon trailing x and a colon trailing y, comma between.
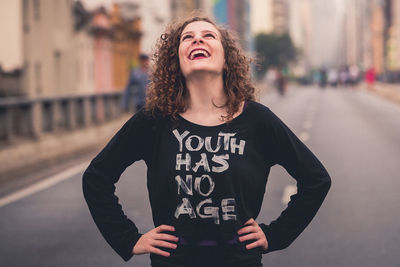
x: 200, y: 49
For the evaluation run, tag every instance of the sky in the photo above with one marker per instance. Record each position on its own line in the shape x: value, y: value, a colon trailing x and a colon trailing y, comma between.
x: 11, y: 47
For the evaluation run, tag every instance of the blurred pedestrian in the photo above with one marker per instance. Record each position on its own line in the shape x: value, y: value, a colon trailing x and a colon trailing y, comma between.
x: 324, y: 78
x: 280, y: 82
x: 370, y: 78
x: 344, y: 76
x: 332, y: 77
x: 354, y: 73
x: 316, y: 76
x: 270, y: 77
x: 135, y: 90
x: 208, y: 147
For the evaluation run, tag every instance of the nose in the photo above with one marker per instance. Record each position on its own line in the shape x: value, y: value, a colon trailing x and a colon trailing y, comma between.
x: 197, y: 39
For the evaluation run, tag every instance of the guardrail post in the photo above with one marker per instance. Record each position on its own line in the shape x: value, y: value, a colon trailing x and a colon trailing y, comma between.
x: 36, y: 119
x: 72, y: 104
x: 100, y: 108
x: 58, y: 119
x: 7, y: 131
x: 86, y: 112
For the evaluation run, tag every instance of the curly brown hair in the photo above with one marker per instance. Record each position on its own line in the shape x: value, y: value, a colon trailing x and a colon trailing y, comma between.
x: 167, y: 93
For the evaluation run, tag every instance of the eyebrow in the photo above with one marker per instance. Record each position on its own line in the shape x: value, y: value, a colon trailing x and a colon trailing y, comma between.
x: 201, y: 31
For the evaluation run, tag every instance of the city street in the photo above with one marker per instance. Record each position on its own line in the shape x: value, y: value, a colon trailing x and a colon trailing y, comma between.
x: 355, y: 134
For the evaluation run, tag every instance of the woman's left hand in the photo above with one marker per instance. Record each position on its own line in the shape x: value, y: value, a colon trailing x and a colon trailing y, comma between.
x: 253, y: 232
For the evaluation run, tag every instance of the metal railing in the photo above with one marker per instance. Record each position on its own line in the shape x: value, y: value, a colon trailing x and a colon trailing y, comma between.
x: 30, y: 118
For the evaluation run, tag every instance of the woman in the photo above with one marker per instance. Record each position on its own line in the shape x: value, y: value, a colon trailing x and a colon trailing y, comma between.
x: 209, y: 149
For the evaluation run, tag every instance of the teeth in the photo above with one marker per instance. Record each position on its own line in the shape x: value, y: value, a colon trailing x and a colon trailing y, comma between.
x: 199, y: 52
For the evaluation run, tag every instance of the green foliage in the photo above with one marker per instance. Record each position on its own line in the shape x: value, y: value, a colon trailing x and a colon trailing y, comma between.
x: 274, y: 50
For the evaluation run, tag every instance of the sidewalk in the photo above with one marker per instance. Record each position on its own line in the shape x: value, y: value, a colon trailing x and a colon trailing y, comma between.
x: 386, y: 90
x: 29, y: 160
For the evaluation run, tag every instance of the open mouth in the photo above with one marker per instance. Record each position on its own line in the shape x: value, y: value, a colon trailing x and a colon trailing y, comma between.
x: 199, y: 53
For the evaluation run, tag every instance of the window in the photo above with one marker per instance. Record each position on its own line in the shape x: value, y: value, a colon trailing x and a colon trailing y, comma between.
x: 36, y: 9
x: 25, y: 12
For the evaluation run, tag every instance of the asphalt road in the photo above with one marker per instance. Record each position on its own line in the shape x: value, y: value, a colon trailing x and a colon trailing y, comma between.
x: 356, y: 136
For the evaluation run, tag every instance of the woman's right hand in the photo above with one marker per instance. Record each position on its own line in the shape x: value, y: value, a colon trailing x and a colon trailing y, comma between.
x: 149, y: 242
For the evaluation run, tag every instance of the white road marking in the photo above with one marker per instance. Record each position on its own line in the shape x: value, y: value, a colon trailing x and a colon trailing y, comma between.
x: 310, y: 116
x: 44, y: 184
x: 307, y: 124
x: 288, y: 192
x: 313, y: 108
x: 304, y: 136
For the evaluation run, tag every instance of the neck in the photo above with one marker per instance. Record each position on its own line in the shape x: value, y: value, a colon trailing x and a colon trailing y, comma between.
x: 204, y: 90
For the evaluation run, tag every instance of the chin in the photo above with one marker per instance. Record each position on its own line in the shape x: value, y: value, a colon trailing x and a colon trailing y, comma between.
x: 205, y: 67
x: 204, y: 71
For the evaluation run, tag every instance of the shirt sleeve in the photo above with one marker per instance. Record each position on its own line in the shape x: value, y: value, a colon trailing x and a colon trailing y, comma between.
x: 104, y: 171
x: 313, y: 183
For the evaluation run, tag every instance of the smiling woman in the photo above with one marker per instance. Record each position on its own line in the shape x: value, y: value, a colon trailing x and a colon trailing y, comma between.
x: 209, y: 148
x: 201, y: 50
x: 193, y: 54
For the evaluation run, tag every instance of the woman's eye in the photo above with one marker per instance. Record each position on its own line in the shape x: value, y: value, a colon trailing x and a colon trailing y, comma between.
x: 209, y: 35
x: 186, y: 36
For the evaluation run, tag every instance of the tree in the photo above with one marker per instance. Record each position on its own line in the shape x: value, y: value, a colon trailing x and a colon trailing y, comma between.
x: 274, y: 50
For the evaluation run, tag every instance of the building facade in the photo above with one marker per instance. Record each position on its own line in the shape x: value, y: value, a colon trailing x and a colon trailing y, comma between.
x: 102, y: 44
x: 126, y: 25
x: 155, y: 15
x: 300, y: 31
x: 396, y: 34
x: 10, y: 48
x: 83, y: 46
x: 48, y: 57
x: 11, y: 35
x: 235, y: 15
x: 372, y: 35
x: 182, y: 8
x: 261, y: 19
x: 377, y: 35
x: 393, y: 36
x: 280, y: 13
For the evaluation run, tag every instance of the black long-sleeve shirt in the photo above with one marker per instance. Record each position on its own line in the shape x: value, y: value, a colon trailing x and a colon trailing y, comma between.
x: 207, y: 181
